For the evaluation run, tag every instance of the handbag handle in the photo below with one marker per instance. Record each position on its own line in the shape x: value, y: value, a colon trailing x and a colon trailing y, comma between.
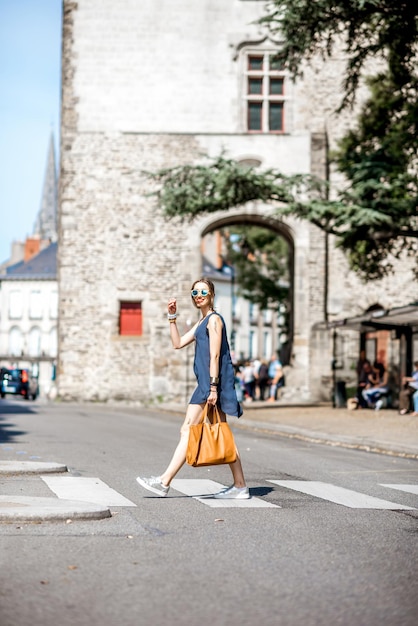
x: 206, y: 412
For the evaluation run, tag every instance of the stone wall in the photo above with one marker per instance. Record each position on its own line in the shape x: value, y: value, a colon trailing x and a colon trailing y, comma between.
x: 156, y: 84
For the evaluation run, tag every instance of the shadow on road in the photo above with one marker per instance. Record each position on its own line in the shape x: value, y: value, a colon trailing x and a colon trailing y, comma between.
x: 8, y: 431
x: 15, y: 409
x: 258, y: 492
x: 7, y: 434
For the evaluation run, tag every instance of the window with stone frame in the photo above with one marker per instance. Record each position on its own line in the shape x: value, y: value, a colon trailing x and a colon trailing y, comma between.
x: 15, y: 305
x: 130, y: 318
x: 35, y: 305
x: 34, y: 342
x: 15, y: 341
x: 264, y: 92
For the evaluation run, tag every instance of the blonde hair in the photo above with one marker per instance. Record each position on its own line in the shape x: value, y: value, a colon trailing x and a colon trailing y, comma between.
x: 211, y: 288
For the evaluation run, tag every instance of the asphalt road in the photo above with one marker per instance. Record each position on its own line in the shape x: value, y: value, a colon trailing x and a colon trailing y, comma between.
x: 180, y: 562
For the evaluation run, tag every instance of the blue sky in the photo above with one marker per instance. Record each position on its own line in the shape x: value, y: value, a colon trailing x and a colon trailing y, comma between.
x: 30, y: 56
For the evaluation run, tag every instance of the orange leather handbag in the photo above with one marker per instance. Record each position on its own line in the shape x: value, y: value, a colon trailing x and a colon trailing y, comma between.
x: 210, y: 443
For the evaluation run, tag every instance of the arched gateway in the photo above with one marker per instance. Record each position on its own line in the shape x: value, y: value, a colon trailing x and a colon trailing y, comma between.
x: 307, y: 274
x: 274, y: 325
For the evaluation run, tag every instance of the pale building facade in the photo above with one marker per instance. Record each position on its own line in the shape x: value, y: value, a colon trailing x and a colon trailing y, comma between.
x: 29, y: 292
x: 29, y: 317
x: 154, y: 84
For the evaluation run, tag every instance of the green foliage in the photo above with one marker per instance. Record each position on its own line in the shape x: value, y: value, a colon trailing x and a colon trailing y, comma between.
x: 384, y: 143
x: 387, y: 29
x: 364, y: 218
x: 379, y: 160
x: 190, y: 190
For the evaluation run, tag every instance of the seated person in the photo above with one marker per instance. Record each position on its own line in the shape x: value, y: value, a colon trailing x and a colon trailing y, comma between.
x: 365, y: 379
x: 415, y: 403
x: 410, y: 390
x: 377, y: 388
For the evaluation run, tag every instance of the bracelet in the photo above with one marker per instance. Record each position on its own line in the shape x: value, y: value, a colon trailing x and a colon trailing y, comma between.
x: 171, y: 316
x: 172, y: 321
x: 214, y: 380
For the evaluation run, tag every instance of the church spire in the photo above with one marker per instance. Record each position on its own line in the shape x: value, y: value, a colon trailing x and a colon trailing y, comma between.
x: 46, y: 221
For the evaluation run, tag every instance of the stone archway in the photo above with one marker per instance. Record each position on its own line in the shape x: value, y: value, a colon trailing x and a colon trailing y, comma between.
x: 308, y: 283
x: 282, y: 230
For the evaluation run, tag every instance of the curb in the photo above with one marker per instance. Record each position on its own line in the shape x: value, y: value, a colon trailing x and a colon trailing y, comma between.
x: 27, y: 509
x: 30, y: 467
x: 31, y: 509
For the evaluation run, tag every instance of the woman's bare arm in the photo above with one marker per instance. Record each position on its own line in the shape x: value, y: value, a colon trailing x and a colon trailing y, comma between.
x: 177, y: 340
x: 215, y: 340
x: 181, y: 341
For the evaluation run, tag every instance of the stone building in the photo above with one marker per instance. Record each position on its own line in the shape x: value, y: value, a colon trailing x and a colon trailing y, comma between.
x: 28, y: 316
x: 151, y: 84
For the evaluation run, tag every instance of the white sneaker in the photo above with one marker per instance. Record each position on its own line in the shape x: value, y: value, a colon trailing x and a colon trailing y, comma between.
x: 154, y: 484
x: 233, y: 493
x: 378, y: 405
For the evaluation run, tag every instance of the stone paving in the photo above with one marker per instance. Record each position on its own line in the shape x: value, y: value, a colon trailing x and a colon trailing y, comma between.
x: 382, y: 431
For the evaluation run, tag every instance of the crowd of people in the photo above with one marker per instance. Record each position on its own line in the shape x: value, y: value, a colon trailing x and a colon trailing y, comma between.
x: 259, y: 379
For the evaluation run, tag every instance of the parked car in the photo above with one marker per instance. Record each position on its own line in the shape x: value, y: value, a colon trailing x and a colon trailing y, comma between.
x: 19, y: 382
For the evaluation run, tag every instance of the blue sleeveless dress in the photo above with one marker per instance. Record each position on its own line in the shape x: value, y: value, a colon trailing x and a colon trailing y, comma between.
x: 227, y: 397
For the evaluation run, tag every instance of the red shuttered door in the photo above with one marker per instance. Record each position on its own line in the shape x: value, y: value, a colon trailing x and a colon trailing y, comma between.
x: 130, y: 319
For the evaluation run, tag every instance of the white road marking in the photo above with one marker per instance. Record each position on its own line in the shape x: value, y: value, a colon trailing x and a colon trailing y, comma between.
x: 203, y: 490
x: 85, y: 489
x: 340, y: 495
x: 407, y: 488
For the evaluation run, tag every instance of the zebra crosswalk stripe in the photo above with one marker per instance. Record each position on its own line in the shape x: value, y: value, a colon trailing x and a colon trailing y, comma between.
x: 90, y: 489
x: 203, y: 490
x: 85, y: 489
x: 340, y: 495
x: 407, y: 488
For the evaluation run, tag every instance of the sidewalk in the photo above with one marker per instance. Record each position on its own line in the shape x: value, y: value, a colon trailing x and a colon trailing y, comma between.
x: 384, y: 431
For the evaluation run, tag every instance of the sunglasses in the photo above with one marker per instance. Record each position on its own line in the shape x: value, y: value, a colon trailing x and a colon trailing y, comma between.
x: 199, y: 292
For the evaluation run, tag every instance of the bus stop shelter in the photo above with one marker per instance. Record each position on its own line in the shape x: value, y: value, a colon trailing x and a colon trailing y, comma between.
x: 402, y: 322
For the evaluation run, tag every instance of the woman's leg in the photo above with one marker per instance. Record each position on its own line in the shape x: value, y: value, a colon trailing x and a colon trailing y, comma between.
x: 237, y: 472
x: 273, y: 391
x: 370, y: 396
x: 178, y: 459
x: 236, y: 467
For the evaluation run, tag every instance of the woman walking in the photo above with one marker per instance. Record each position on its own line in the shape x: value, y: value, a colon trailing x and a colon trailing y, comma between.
x: 215, y: 384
